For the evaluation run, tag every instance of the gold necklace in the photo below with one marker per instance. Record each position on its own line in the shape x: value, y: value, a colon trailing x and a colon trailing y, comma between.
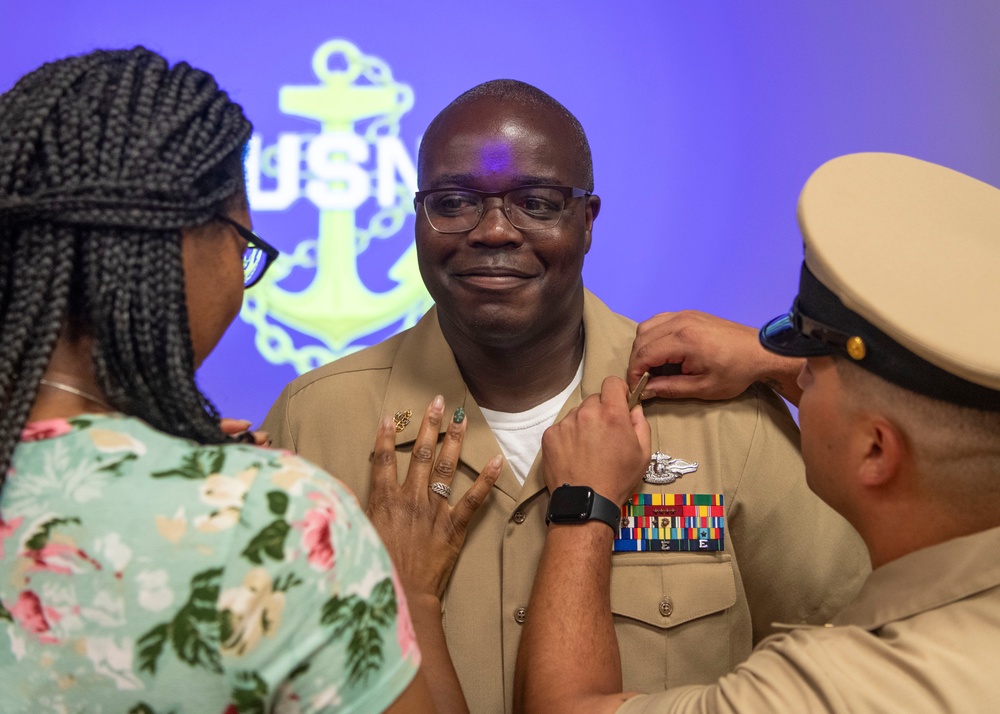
x: 77, y: 392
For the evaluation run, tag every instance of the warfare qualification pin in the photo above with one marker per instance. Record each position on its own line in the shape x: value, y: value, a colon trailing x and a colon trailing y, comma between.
x: 663, y: 469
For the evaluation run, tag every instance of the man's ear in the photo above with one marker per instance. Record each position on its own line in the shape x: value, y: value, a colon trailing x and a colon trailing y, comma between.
x: 885, y: 450
x: 593, y: 208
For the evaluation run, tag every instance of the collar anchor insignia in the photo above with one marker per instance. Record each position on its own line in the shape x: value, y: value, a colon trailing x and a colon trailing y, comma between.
x: 401, y: 419
x: 663, y: 469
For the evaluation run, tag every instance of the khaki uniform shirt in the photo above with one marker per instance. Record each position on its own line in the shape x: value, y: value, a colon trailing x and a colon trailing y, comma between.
x: 681, y: 618
x: 920, y: 637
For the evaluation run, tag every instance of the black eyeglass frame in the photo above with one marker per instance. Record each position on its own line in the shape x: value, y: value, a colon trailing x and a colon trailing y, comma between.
x: 253, y: 240
x: 568, y: 192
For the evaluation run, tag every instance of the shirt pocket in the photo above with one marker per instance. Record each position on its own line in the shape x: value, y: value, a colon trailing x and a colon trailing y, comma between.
x: 674, y: 616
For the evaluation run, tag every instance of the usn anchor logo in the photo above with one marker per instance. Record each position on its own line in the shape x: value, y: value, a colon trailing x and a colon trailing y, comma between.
x: 313, y: 307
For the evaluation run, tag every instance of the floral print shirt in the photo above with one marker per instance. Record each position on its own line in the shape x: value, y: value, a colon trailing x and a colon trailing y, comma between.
x: 140, y: 572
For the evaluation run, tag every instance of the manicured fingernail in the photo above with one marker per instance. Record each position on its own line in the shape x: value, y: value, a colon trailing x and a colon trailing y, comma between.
x: 388, y: 424
x: 245, y: 423
x: 459, y: 415
x: 438, y: 403
x: 496, y: 462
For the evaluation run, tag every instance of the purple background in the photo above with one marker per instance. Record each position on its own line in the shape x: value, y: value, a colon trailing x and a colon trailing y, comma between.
x: 705, y: 118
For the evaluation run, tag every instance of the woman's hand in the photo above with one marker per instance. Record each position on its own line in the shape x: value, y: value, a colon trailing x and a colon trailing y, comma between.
x: 240, y: 429
x: 421, y: 530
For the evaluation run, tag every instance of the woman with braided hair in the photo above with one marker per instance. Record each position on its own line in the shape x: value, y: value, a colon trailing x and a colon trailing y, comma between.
x: 148, y: 561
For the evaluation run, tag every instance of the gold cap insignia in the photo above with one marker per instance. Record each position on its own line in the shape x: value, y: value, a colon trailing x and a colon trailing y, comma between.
x: 856, y: 348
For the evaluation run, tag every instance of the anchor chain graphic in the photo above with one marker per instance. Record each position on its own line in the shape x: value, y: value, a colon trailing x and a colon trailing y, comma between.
x: 336, y: 308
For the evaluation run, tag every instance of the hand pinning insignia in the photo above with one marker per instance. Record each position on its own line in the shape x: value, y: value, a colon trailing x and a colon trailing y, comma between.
x: 663, y: 469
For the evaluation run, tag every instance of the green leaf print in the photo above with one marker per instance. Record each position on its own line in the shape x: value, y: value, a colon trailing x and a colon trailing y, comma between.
x: 365, y: 622
x: 198, y: 464
x: 143, y: 708
x: 5, y: 614
x: 80, y: 422
x: 151, y: 647
x: 270, y: 542
x: 277, y: 502
x: 194, y: 631
x: 40, y: 538
x: 383, y: 602
x: 225, y: 625
x: 290, y: 581
x: 115, y: 467
x: 218, y: 461
x: 301, y: 669
x: 250, y: 693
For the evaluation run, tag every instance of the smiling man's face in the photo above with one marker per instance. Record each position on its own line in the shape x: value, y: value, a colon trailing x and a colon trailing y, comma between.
x: 496, y: 284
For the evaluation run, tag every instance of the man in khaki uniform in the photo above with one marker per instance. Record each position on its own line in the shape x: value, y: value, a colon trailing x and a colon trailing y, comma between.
x: 900, y: 416
x: 504, y: 219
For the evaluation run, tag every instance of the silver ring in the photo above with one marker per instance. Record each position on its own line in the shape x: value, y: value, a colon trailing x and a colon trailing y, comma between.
x: 441, y: 489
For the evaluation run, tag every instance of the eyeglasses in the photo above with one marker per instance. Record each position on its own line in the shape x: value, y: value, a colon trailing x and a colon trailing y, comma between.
x: 529, y: 208
x: 257, y: 257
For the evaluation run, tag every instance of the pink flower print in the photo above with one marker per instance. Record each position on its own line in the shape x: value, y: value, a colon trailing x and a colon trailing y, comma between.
x: 7, y: 529
x: 59, y: 558
x: 30, y: 615
x: 405, y: 634
x: 316, y: 537
x: 46, y: 429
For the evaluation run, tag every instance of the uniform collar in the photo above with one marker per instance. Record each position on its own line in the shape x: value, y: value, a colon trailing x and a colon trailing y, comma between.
x: 926, y: 579
x: 425, y: 366
x: 606, y: 353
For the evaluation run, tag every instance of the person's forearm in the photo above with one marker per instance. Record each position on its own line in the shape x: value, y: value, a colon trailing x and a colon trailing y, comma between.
x: 436, y: 664
x: 781, y: 374
x: 568, y: 659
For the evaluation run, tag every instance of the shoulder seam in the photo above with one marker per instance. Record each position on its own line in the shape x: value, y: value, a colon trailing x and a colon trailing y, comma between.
x: 753, y: 436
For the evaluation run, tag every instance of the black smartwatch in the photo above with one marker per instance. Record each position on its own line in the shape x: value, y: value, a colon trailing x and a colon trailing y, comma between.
x: 579, y: 504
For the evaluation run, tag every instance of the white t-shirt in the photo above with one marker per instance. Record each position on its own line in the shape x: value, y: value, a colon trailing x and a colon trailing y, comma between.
x: 520, y: 433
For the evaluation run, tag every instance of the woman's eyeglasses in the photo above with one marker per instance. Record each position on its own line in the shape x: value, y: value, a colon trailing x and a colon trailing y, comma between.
x: 257, y: 257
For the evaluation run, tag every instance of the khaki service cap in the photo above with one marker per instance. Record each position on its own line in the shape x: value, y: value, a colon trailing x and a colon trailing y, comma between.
x: 901, y: 276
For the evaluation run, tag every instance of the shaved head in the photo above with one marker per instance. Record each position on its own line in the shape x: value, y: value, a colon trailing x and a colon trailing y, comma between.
x: 520, y: 94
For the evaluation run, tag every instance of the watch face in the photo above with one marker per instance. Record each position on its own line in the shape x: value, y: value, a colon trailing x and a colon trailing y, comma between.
x: 570, y: 504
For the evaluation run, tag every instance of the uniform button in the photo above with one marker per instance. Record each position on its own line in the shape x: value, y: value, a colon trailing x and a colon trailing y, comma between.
x: 666, y: 607
x: 520, y: 614
x: 518, y: 517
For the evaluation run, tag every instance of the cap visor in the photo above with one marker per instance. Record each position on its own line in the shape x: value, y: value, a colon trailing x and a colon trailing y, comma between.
x: 781, y: 337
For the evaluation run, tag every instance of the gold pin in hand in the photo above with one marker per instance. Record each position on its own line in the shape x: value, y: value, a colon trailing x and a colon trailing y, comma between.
x: 636, y: 394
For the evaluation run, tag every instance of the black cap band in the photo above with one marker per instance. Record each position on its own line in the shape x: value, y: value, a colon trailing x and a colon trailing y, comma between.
x: 820, y: 324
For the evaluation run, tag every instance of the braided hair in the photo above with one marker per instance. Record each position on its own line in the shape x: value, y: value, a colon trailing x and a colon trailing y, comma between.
x: 104, y: 157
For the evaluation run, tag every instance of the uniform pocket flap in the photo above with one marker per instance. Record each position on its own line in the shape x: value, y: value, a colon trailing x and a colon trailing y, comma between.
x: 673, y: 590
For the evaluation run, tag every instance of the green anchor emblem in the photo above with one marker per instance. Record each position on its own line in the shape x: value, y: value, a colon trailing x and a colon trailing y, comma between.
x: 336, y: 308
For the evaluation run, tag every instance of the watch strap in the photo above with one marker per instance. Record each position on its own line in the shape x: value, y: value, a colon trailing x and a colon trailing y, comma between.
x: 604, y: 509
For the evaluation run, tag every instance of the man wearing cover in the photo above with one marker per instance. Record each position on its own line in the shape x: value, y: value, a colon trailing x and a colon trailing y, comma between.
x: 900, y: 414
